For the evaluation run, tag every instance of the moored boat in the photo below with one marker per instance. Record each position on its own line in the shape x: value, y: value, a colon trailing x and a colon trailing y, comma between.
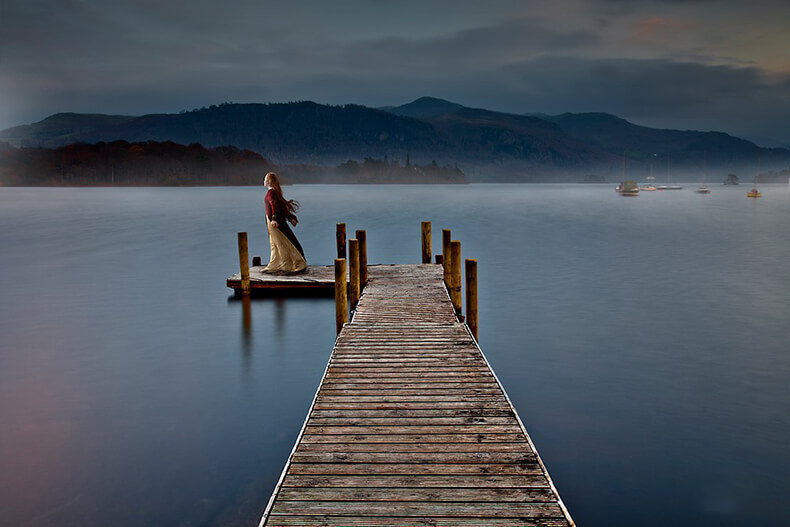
x: 754, y: 193
x: 627, y: 188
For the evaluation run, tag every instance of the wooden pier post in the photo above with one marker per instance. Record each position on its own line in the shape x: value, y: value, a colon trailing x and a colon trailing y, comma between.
x: 426, y: 242
x: 471, y: 296
x: 244, y: 263
x: 341, y: 294
x: 353, y: 273
x: 439, y: 259
x: 340, y: 235
x: 362, y: 237
x: 446, y: 255
x: 455, y: 275
x: 256, y: 261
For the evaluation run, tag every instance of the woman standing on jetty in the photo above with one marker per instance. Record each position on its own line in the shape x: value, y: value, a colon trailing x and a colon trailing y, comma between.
x: 287, y: 255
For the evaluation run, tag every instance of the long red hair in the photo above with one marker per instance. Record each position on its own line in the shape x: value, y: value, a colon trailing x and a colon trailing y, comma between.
x: 289, y: 205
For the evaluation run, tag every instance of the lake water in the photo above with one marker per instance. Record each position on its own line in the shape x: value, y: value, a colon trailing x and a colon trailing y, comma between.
x: 644, y: 342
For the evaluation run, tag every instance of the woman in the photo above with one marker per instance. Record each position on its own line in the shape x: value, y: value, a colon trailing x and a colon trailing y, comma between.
x: 287, y: 255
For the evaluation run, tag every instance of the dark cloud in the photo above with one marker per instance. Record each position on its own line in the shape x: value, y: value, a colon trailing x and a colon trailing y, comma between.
x: 662, y: 93
x: 143, y: 56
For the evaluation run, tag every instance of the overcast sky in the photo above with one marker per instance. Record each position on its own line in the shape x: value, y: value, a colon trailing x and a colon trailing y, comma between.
x: 688, y: 64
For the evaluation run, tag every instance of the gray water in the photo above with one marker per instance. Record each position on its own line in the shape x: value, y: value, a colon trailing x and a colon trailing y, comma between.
x: 644, y: 341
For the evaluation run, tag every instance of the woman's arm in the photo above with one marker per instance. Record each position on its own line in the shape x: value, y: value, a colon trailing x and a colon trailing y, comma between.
x: 270, y: 215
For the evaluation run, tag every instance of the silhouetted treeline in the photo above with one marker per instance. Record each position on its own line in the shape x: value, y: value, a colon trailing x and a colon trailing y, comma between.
x: 373, y: 171
x: 120, y: 163
x: 151, y: 163
x: 386, y: 171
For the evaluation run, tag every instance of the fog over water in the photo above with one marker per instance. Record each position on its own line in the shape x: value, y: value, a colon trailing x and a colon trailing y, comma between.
x: 643, y: 342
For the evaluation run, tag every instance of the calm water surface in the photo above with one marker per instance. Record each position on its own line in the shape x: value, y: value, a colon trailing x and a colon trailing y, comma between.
x: 644, y: 341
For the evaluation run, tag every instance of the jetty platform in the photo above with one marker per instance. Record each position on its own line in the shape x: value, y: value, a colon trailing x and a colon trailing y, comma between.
x: 410, y: 426
x: 316, y: 279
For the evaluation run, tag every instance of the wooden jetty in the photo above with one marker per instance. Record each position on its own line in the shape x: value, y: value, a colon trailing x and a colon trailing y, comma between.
x: 410, y: 426
x: 318, y: 279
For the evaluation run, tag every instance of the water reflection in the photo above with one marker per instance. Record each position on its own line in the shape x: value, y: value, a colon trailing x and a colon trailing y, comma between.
x: 279, y: 319
x: 246, y: 333
x: 279, y: 316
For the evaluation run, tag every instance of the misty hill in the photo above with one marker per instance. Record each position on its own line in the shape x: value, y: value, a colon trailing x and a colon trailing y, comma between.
x: 425, y: 108
x: 293, y: 132
x: 486, y: 145
x: 62, y: 129
x: 507, y: 139
x: 685, y: 148
x: 152, y: 163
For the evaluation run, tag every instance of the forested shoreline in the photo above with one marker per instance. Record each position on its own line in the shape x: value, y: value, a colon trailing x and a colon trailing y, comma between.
x: 166, y: 163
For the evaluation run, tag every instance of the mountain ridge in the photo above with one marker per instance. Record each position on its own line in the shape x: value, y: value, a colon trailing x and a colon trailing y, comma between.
x: 487, y: 145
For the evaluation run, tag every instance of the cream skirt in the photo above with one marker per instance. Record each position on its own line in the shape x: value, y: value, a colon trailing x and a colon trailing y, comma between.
x: 284, y: 257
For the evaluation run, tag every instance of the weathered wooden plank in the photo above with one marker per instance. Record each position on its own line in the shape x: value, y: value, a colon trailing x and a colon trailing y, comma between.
x: 408, y: 368
x: 433, y: 412
x: 402, y: 392
x: 339, y: 373
x: 421, y: 481
x: 426, y: 494
x: 421, y: 405
x: 334, y: 372
x: 411, y: 385
x: 422, y: 458
x: 406, y: 398
x: 339, y: 360
x: 437, y: 371
x: 292, y: 520
x: 395, y: 430
x: 479, y: 438
x: 415, y: 468
x: 413, y: 447
x: 408, y: 421
x: 415, y: 508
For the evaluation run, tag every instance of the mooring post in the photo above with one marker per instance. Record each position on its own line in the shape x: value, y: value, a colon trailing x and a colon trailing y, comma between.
x: 244, y: 263
x: 341, y: 294
x: 362, y: 237
x: 455, y: 275
x: 471, y: 296
x: 446, y: 258
x: 256, y: 261
x: 353, y: 273
x: 340, y: 235
x: 439, y: 259
x: 426, y: 242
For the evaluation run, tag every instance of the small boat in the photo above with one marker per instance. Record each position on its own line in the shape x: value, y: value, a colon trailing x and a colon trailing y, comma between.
x: 648, y: 188
x: 627, y: 188
x: 754, y: 193
x: 703, y: 190
x: 669, y: 185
